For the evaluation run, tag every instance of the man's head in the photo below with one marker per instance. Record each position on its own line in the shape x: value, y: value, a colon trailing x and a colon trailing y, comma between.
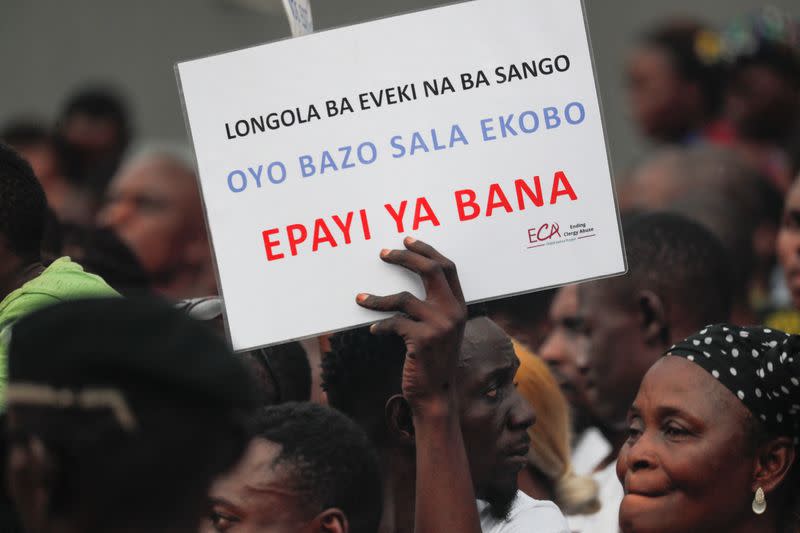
x: 308, y: 469
x: 35, y: 143
x: 718, y: 189
x: 678, y: 281
x: 763, y: 97
x: 563, y: 353
x: 95, y: 122
x: 153, y: 204
x: 115, y: 408
x: 673, y: 89
x: 22, y: 212
x: 362, y: 376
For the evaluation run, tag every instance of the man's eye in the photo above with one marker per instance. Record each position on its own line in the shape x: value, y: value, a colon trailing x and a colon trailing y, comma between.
x: 222, y: 521
x: 493, y: 392
x: 634, y: 433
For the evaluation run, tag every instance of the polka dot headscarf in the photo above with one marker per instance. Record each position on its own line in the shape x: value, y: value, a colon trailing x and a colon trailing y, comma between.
x: 758, y: 365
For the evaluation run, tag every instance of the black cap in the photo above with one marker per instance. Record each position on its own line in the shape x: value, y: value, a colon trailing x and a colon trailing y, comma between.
x: 142, y: 349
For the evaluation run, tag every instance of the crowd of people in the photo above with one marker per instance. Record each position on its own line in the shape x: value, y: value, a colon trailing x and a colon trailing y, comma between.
x: 665, y: 400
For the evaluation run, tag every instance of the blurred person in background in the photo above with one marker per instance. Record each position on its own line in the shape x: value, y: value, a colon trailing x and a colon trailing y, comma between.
x: 153, y: 204
x: 763, y: 93
x: 549, y: 474
x: 713, y: 435
x: 26, y: 284
x: 675, y: 85
x: 95, y: 123
x: 718, y: 188
x: 93, y: 132
x: 37, y: 146
x: 677, y: 281
x: 307, y: 469
x: 523, y: 317
x: 789, y: 256
x: 566, y: 358
x: 120, y: 415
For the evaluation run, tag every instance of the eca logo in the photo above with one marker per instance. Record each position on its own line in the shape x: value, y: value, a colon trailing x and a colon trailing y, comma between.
x: 543, y: 233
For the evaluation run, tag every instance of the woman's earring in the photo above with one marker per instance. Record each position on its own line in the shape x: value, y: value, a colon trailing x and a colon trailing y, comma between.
x: 759, y: 502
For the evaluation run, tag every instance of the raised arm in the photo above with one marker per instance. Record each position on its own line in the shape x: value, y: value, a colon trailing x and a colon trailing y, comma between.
x: 433, y: 330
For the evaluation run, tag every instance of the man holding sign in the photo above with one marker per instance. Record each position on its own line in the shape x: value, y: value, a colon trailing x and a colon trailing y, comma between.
x: 444, y: 413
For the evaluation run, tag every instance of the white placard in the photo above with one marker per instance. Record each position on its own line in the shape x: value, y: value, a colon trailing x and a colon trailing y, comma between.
x: 475, y: 127
x: 299, y: 15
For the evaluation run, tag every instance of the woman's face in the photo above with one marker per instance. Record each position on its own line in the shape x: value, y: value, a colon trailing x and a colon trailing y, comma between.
x: 686, y: 466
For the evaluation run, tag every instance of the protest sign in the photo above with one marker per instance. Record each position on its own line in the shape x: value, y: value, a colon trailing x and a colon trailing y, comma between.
x: 475, y: 127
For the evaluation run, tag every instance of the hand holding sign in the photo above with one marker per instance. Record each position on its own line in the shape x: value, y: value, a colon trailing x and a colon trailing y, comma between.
x: 432, y: 329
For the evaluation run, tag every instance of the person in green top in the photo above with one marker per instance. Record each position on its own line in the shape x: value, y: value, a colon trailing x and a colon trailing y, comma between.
x: 25, y: 283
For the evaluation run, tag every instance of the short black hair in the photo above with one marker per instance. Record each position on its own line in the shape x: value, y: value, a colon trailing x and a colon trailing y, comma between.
x: 282, y: 373
x: 100, y: 102
x: 331, y: 460
x: 680, y: 40
x: 680, y: 260
x: 360, y: 373
x: 22, y: 205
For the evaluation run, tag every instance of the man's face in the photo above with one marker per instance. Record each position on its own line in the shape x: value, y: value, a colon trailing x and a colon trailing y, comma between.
x: 762, y: 103
x: 614, y: 344
x: 154, y: 207
x: 494, y: 417
x: 562, y: 350
x: 257, y: 496
x: 789, y: 243
x: 656, y: 95
x: 96, y: 137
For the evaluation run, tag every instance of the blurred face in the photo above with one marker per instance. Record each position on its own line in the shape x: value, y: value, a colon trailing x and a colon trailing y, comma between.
x: 762, y: 103
x: 256, y: 497
x: 614, y: 347
x: 154, y: 206
x: 685, y: 467
x: 789, y: 242
x: 657, y: 95
x: 562, y: 349
x: 494, y: 417
x: 96, y: 137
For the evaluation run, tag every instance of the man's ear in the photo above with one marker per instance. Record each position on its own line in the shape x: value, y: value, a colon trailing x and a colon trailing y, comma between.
x: 399, y: 420
x: 330, y: 521
x: 31, y: 476
x: 774, y: 460
x: 653, y: 318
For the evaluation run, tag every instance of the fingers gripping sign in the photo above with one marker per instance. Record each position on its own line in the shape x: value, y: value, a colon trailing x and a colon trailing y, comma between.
x: 432, y: 329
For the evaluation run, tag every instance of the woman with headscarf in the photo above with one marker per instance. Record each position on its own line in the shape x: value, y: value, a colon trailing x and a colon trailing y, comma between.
x: 549, y: 474
x: 714, y: 436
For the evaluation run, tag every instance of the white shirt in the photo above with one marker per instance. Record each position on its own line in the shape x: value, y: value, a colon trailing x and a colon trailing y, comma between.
x: 591, y: 447
x: 606, y: 520
x: 527, y: 516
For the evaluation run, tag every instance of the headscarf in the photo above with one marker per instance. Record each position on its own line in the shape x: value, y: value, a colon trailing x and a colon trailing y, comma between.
x: 760, y: 366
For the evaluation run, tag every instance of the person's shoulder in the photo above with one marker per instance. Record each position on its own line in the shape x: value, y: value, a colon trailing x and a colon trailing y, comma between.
x: 21, y: 303
x: 67, y: 280
x: 529, y: 514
